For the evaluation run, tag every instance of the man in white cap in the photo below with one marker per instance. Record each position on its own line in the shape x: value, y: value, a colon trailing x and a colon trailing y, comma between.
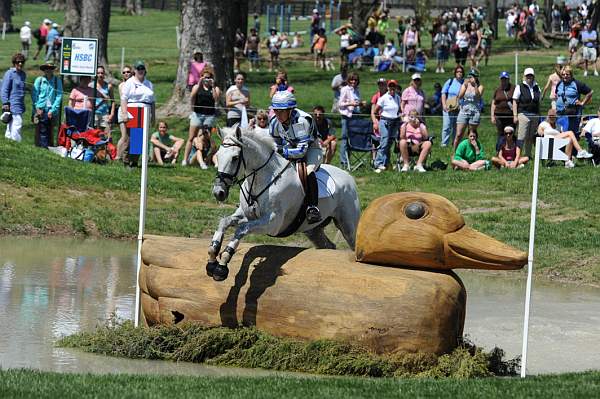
x: 526, y: 110
x: 295, y: 134
x: 53, y: 43
x: 25, y: 35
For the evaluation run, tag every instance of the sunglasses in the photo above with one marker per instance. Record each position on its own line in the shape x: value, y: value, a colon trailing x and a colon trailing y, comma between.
x: 124, y: 72
x: 140, y: 69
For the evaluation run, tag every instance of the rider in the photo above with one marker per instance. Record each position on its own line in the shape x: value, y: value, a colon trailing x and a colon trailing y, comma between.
x: 295, y: 133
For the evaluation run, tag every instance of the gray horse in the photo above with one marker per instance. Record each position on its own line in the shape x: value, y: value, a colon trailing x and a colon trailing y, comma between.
x: 271, y: 197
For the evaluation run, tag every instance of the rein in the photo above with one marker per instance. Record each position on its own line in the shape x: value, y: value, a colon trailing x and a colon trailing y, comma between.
x: 250, y: 198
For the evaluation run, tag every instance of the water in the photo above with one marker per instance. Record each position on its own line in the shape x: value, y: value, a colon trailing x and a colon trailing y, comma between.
x: 50, y: 288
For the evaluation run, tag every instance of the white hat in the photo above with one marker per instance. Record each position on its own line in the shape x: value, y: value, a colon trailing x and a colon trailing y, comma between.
x: 315, y: 11
x: 528, y: 71
x: 47, y: 21
x: 27, y: 23
x: 415, y: 76
x: 55, y: 25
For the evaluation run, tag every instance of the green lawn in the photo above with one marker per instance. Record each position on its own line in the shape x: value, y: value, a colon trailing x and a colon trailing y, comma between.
x: 41, y: 193
x: 29, y: 384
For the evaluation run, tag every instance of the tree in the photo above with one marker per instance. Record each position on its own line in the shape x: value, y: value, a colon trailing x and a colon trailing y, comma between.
x: 361, y: 9
x: 89, y: 18
x: 206, y: 25
x: 133, y: 7
x: 6, y: 14
x: 58, y: 5
x: 492, y: 16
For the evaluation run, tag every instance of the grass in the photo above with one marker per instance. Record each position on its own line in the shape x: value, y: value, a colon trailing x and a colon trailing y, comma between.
x: 28, y: 383
x: 250, y: 348
x: 41, y: 193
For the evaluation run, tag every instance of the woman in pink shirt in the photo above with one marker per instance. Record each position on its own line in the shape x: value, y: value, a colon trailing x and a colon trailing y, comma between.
x: 413, y: 97
x: 196, y: 67
x: 413, y: 135
x: 348, y: 104
x: 82, y: 95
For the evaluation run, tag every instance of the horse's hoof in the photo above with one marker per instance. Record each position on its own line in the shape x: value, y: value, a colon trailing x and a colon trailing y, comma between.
x: 210, y: 267
x: 220, y: 272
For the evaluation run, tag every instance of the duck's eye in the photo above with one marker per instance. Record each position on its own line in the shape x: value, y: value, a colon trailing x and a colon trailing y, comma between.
x: 415, y: 210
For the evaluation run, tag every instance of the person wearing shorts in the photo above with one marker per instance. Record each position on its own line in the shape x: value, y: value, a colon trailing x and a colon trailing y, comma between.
x: 203, y: 151
x: 204, y: 98
x: 589, y: 38
x: 469, y: 114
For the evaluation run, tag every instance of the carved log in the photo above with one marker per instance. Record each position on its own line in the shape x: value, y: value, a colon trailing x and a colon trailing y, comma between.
x: 304, y: 293
x: 426, y: 230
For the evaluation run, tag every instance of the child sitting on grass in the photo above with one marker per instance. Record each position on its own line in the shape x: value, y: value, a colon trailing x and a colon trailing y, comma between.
x: 164, y: 147
x: 469, y: 154
x: 204, y: 150
x: 509, y: 155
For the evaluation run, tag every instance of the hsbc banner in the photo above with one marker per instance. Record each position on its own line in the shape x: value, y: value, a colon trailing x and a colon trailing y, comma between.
x: 79, y: 56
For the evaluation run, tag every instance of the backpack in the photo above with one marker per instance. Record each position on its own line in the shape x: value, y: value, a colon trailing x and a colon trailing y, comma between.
x: 37, y: 34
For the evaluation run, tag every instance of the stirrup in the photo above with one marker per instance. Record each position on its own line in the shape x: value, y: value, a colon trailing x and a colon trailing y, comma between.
x: 313, y: 215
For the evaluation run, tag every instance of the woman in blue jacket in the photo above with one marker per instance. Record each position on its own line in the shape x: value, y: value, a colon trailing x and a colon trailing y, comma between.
x: 45, y: 97
x: 12, y: 94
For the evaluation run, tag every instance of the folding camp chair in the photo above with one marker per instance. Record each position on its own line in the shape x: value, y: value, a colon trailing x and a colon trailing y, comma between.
x: 359, y: 143
x: 87, y: 142
x: 411, y: 154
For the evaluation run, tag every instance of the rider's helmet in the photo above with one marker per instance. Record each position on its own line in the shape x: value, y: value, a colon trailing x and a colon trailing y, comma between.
x: 283, y: 100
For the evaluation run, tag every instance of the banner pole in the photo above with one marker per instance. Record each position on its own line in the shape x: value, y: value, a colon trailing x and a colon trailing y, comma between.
x: 536, y: 169
x: 143, y: 187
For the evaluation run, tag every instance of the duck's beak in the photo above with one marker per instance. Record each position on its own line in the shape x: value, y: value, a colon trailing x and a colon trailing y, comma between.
x: 470, y: 249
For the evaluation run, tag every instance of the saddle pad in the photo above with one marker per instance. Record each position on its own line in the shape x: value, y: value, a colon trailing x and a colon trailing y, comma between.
x: 326, y: 183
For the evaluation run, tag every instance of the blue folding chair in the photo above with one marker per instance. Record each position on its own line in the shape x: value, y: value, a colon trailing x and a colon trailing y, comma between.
x: 360, y: 143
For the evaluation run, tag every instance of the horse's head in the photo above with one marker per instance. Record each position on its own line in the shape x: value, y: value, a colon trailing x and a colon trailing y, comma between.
x: 230, y: 161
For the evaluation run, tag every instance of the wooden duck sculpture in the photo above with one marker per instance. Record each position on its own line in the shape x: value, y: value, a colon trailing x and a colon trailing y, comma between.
x: 317, y: 294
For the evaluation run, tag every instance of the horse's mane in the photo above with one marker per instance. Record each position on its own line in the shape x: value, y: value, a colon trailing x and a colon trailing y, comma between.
x: 261, y: 139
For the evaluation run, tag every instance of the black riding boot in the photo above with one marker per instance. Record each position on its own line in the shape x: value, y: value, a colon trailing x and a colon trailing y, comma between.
x: 313, y: 215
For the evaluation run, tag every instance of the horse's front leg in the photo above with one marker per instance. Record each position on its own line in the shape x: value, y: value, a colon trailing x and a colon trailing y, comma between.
x: 221, y: 271
x: 217, y: 240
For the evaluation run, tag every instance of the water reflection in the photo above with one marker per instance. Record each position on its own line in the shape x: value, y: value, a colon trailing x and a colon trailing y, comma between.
x: 50, y: 288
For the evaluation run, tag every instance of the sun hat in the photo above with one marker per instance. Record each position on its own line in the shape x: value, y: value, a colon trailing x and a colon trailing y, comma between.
x: 392, y: 82
x: 283, y: 100
x: 315, y: 11
x: 504, y: 75
x: 6, y: 117
x: 474, y: 73
x: 139, y: 64
x: 55, y: 25
x: 27, y: 23
x: 382, y: 80
x: 509, y: 129
x: 47, y: 21
x: 528, y: 71
x: 47, y: 65
x: 415, y: 76
x: 561, y: 60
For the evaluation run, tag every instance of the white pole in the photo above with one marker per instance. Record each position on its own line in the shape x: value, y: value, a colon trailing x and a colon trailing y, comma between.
x: 536, y: 170
x: 3, y: 30
x: 143, y: 186
x: 516, y: 67
x: 403, y: 58
x: 122, y: 57
x: 178, y: 33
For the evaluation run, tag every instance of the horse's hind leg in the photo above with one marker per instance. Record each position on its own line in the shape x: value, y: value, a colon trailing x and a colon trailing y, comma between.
x: 347, y: 224
x: 318, y: 237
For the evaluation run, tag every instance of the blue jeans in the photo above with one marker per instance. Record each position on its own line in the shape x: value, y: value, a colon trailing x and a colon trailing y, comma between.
x: 388, y: 131
x: 448, y: 127
x: 342, y: 144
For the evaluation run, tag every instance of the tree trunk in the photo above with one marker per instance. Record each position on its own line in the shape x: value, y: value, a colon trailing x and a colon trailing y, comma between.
x: 361, y: 9
x: 548, y: 15
x: 6, y: 14
x: 73, y: 19
x: 133, y: 7
x: 95, y: 17
x: 492, y: 14
x: 205, y: 24
x: 58, y: 5
x: 239, y: 16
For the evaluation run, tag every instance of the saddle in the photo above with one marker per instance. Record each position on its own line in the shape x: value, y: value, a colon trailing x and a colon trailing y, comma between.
x: 301, y: 215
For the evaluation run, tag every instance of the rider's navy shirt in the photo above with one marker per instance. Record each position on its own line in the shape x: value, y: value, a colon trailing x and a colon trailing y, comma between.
x: 293, y: 141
